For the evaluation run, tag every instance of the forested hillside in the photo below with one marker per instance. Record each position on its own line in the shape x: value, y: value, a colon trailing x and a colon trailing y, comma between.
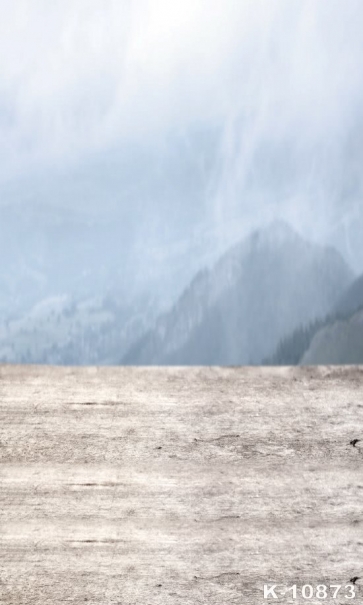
x: 237, y: 311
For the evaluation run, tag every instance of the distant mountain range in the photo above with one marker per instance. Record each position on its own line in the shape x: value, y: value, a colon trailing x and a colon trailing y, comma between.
x: 48, y: 252
x: 273, y: 298
x: 64, y: 331
x: 239, y: 310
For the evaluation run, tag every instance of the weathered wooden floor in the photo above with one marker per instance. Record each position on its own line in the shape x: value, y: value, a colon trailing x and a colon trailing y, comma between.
x: 149, y: 486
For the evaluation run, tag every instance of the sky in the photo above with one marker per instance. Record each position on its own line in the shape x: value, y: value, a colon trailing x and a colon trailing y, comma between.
x: 246, y: 109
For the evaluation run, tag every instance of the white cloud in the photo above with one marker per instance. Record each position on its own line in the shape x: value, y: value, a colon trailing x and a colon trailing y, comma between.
x: 80, y: 74
x: 84, y: 76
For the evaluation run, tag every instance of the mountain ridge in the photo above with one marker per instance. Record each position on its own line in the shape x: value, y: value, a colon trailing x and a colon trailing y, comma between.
x: 223, y: 300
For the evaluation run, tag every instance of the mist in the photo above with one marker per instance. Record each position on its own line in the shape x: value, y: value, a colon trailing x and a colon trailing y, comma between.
x: 139, y: 140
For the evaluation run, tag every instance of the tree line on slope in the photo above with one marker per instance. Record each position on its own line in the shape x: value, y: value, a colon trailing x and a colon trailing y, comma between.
x: 291, y: 348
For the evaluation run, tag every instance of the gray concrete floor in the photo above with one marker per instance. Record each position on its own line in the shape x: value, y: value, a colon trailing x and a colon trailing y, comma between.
x: 149, y: 486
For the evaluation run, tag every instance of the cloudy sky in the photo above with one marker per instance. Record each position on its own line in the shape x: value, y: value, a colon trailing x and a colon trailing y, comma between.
x: 249, y: 109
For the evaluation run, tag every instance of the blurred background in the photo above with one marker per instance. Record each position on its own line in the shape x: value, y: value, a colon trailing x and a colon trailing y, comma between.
x: 181, y: 182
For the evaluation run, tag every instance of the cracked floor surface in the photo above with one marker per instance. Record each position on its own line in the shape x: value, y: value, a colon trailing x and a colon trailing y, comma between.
x: 150, y: 486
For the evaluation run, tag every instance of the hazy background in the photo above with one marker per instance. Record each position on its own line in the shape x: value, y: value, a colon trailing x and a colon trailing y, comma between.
x: 139, y: 140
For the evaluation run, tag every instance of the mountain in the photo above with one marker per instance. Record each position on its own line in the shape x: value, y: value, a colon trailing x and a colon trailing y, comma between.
x: 237, y: 311
x: 327, y: 338
x: 352, y: 298
x: 79, y: 288
x: 133, y: 216
x: 340, y: 342
x: 340, y: 339
x: 64, y: 331
x: 49, y: 251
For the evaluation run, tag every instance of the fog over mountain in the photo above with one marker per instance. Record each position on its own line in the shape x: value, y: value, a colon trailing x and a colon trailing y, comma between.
x: 340, y: 339
x: 351, y: 299
x: 140, y: 141
x: 256, y: 294
x: 339, y: 342
x: 332, y: 338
